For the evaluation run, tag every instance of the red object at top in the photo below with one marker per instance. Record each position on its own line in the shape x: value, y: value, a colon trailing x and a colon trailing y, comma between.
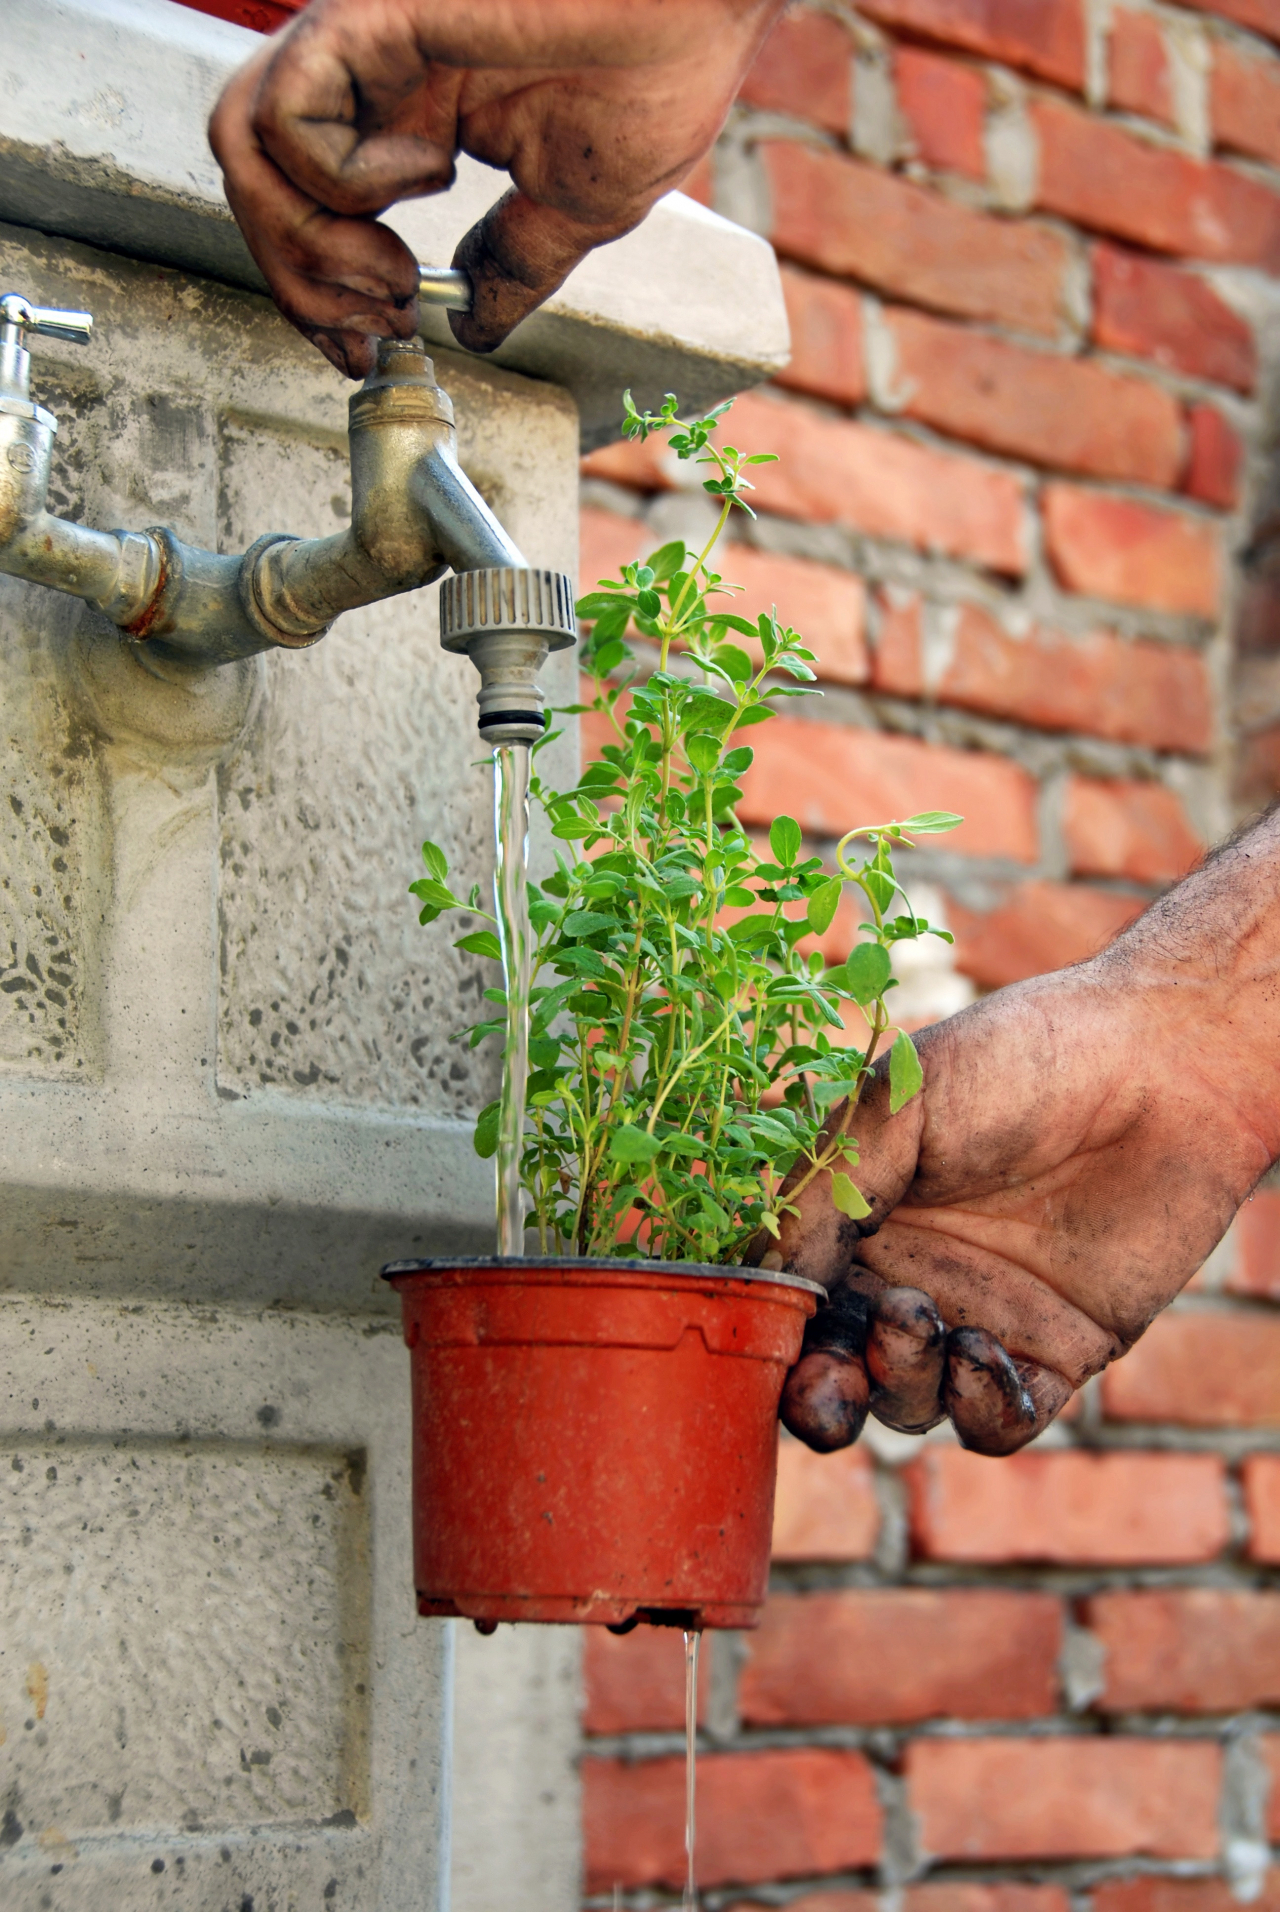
x: 264, y: 16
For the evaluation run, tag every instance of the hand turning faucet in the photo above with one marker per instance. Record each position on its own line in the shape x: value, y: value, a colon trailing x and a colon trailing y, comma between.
x: 414, y: 515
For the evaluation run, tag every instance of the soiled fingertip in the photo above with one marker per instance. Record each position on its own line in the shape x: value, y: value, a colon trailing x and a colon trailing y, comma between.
x: 992, y: 1411
x: 906, y: 1349
x: 825, y: 1400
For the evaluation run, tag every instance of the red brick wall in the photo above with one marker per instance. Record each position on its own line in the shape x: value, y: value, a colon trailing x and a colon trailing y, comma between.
x: 1029, y: 247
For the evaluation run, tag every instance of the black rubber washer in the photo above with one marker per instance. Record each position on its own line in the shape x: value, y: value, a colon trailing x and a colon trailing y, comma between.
x: 493, y: 717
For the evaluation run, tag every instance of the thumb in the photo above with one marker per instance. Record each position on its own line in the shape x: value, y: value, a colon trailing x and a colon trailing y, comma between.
x: 517, y: 256
x: 819, y: 1241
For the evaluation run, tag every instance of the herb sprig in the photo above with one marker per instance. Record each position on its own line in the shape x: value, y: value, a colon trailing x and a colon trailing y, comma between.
x: 686, y: 1049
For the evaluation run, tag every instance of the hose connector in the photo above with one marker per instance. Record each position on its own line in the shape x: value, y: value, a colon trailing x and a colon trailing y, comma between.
x: 508, y: 619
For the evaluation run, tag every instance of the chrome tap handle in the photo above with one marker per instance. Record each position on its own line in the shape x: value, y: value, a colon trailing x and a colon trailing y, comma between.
x: 448, y: 286
x: 18, y: 317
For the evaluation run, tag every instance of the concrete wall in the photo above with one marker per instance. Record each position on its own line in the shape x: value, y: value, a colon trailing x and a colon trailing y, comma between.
x: 228, y: 1094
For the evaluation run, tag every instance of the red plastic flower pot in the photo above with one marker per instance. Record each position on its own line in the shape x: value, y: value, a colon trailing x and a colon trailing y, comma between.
x: 596, y: 1441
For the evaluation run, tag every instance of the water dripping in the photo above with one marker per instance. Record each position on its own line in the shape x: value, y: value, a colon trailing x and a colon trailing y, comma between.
x: 511, y: 898
x: 692, y: 1641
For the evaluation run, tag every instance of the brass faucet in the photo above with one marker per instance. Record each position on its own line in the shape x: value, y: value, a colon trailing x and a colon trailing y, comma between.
x: 415, y: 515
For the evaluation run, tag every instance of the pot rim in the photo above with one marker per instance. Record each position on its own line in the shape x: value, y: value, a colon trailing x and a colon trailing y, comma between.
x: 604, y: 1264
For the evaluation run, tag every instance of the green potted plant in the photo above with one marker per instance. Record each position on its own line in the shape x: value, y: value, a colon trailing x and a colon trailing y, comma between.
x: 595, y: 1425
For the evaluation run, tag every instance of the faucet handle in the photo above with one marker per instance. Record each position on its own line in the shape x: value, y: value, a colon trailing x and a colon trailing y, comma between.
x: 448, y: 286
x: 18, y: 318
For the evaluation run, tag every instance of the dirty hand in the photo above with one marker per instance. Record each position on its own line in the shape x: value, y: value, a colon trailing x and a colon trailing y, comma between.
x: 1080, y: 1144
x: 594, y: 107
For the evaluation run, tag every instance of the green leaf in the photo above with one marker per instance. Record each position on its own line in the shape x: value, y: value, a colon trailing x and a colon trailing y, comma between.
x: 436, y: 860
x: 734, y: 662
x: 582, y: 960
x: 930, y: 822
x: 630, y: 1144
x: 848, y: 1199
x: 906, y: 1077
x: 434, y: 894
x: 587, y: 922
x: 823, y: 904
x: 481, y: 942
x: 866, y: 974
x: 485, y: 1139
x: 703, y: 751
x: 650, y: 604
x: 738, y: 762
x: 608, y: 656
x: 666, y: 560
x: 785, y: 838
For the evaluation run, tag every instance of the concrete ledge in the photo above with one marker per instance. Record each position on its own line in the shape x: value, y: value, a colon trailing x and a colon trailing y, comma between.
x: 102, y: 138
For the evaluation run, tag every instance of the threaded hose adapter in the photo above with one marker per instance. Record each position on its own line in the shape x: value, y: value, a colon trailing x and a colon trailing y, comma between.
x: 508, y: 619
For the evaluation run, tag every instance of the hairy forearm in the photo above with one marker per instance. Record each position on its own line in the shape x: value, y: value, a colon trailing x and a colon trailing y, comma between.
x: 1205, y: 963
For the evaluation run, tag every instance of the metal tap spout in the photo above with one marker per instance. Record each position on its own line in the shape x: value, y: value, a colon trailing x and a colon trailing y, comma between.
x: 415, y: 514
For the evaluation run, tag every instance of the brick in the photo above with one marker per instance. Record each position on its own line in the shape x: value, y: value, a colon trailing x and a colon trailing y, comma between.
x: 1147, y: 309
x: 1035, y: 928
x: 866, y: 1657
x: 1068, y: 414
x: 1244, y: 103
x: 1137, y: 830
x: 836, y: 471
x: 1104, y: 685
x: 1157, y: 1894
x: 825, y: 1506
x: 954, y: 1895
x: 805, y: 67
x: 1065, y: 1798
x: 607, y: 541
x: 1200, y: 1368
x: 641, y: 467
x: 1115, y: 1509
x: 1100, y: 176
x: 1261, y: 1476
x: 1257, y: 767
x: 944, y: 104
x: 897, y: 665
x: 634, y: 1682
x: 838, y: 1901
x: 1040, y: 36
x: 1132, y: 553
x: 831, y: 778
x: 827, y: 605
x: 765, y: 1815
x: 1188, y: 1649
x: 1263, y: 16
x: 1214, y: 458
x: 852, y: 220
x: 1257, y: 1236
x: 826, y: 338
x: 263, y: 16
x: 1141, y: 80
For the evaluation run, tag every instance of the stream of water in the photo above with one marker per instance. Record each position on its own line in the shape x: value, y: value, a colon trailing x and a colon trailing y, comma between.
x: 692, y: 1641
x: 511, y: 899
